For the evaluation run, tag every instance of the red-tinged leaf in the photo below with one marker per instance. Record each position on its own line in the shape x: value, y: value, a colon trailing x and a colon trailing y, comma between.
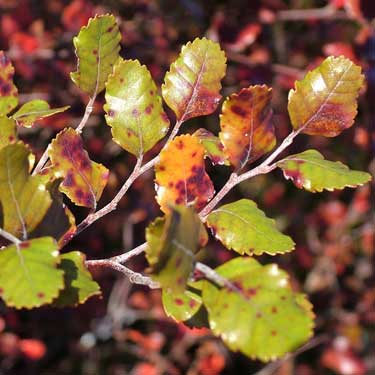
x: 247, y: 132
x: 32, y: 348
x: 8, y: 131
x: 8, y: 92
x: 84, y: 180
x: 246, y: 37
x: 325, y: 101
x: 180, y: 174
x: 192, y: 85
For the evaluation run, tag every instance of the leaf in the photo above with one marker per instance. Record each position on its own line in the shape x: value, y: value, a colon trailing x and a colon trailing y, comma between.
x: 262, y: 317
x: 212, y: 146
x: 325, y: 101
x: 247, y: 132
x: 97, y: 49
x: 29, y: 277
x: 172, y: 243
x: 181, y: 306
x: 84, y: 180
x: 24, y: 198
x: 309, y: 170
x: 8, y: 131
x: 180, y: 174
x: 79, y: 285
x: 8, y: 92
x: 134, y: 110
x: 35, y: 110
x: 241, y: 226
x: 192, y: 86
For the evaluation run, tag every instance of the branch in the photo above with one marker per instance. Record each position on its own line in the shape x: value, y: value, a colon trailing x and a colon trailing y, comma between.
x: 327, y: 12
x: 9, y: 237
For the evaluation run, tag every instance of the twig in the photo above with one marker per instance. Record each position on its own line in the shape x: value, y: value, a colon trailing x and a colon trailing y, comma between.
x: 123, y: 258
x: 9, y: 237
x: 327, y: 12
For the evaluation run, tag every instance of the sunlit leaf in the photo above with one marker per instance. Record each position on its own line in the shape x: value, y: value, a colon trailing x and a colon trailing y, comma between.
x: 244, y: 228
x: 97, y: 49
x: 79, y: 285
x: 134, y: 109
x: 261, y: 316
x: 180, y: 174
x: 247, y: 132
x: 181, y: 306
x: 212, y: 146
x: 192, y: 86
x: 24, y: 199
x: 172, y: 243
x: 84, y: 180
x: 309, y: 170
x: 8, y: 92
x: 29, y: 276
x: 325, y: 101
x: 8, y: 131
x: 35, y: 110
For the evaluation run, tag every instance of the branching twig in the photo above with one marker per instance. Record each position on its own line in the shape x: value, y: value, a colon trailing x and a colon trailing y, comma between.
x: 327, y: 12
x: 9, y: 237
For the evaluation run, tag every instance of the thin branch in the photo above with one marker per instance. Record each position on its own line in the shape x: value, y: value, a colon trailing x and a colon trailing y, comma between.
x: 327, y: 12
x: 9, y: 237
x: 123, y: 258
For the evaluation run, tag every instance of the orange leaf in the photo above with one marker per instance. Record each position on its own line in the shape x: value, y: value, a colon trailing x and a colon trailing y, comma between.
x: 180, y: 174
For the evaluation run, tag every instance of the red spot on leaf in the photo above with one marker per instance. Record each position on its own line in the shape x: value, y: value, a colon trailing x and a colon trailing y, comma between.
x: 239, y: 111
x: 40, y: 295
x: 25, y: 245
x: 179, y: 301
x: 273, y: 333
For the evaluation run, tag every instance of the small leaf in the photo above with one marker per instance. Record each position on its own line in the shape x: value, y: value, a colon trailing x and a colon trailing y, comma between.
x: 29, y: 277
x: 262, y: 317
x: 180, y: 174
x: 325, y: 101
x: 134, y: 110
x: 79, y: 285
x: 181, y: 306
x: 241, y: 226
x: 172, y: 243
x: 309, y: 170
x: 84, y: 180
x: 8, y: 131
x: 24, y: 198
x: 247, y: 132
x: 35, y: 110
x: 97, y: 49
x: 192, y: 86
x: 212, y: 146
x: 8, y: 92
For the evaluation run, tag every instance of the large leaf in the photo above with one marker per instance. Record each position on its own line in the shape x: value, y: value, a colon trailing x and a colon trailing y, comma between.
x: 261, y: 316
x: 247, y: 132
x: 24, y: 198
x: 309, y: 170
x: 244, y: 228
x: 79, y: 285
x: 97, y: 49
x: 213, y: 147
x: 8, y: 131
x: 29, y: 276
x: 192, y: 86
x: 180, y: 174
x: 84, y: 180
x: 8, y: 92
x: 134, y: 110
x: 325, y: 101
x: 172, y: 243
x: 35, y: 110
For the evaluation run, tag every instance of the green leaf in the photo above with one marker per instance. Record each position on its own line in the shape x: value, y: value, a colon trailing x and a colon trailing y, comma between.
x: 212, y: 146
x: 247, y: 131
x: 79, y: 285
x: 192, y: 86
x: 309, y: 170
x: 8, y: 92
x: 8, y: 131
x: 29, y: 277
x: 97, y: 48
x: 84, y: 180
x: 24, y: 198
x: 172, y: 243
x: 33, y: 111
x: 181, y: 306
x: 261, y: 316
x: 134, y: 110
x: 241, y: 226
x: 325, y: 101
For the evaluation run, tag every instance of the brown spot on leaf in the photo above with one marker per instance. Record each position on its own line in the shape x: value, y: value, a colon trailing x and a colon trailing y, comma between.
x: 274, y: 310
x: 40, y: 295
x: 239, y: 111
x: 273, y: 333
x: 25, y: 245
